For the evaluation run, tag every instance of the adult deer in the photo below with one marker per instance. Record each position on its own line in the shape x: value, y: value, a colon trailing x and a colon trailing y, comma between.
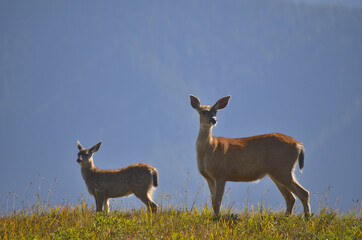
x: 247, y: 159
x: 139, y: 179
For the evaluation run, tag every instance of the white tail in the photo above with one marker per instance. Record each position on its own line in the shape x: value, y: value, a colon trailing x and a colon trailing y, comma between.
x: 139, y: 179
x: 247, y: 159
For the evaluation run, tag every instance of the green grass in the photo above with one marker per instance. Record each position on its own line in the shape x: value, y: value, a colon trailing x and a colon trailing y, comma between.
x: 81, y: 221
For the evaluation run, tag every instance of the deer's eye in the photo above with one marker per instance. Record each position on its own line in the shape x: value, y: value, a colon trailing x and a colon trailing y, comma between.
x: 83, y: 154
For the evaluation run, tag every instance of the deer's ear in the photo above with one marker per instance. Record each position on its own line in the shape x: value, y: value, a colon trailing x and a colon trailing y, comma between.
x: 79, y: 146
x: 95, y: 147
x: 195, y: 102
x: 221, y: 103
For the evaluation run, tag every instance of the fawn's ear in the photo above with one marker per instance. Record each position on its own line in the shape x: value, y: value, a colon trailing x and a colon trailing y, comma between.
x: 79, y: 146
x: 95, y: 147
x: 221, y: 103
x: 195, y: 102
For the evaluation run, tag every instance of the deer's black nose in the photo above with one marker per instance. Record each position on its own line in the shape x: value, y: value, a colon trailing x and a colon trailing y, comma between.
x: 213, y: 121
x: 78, y: 160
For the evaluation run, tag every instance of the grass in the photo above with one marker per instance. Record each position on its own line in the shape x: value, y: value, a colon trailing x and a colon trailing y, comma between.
x: 82, y: 222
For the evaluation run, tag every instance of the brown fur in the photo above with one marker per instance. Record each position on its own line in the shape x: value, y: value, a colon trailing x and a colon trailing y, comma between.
x: 247, y: 159
x: 139, y: 179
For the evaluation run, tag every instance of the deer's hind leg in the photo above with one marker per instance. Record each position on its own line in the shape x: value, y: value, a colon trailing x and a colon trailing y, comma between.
x: 145, y: 197
x: 288, y: 196
x: 106, y: 205
x: 288, y: 182
x: 303, y: 195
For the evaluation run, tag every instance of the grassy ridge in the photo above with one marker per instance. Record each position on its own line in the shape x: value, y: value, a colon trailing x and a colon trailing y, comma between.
x: 80, y: 221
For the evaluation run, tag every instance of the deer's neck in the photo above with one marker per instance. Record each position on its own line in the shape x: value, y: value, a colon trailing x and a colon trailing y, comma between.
x: 88, y: 170
x: 205, y: 139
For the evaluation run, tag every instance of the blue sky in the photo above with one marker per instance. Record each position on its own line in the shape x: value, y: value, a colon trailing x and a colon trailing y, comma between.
x: 121, y: 73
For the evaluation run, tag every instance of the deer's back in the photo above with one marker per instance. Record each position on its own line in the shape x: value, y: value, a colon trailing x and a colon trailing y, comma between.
x: 250, y: 158
x: 122, y: 181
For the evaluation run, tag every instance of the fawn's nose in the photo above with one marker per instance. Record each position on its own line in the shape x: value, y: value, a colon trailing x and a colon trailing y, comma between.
x: 213, y: 120
x: 79, y: 161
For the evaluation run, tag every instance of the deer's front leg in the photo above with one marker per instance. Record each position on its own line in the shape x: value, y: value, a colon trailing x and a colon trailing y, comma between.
x: 212, y: 189
x: 99, y: 201
x: 219, y: 187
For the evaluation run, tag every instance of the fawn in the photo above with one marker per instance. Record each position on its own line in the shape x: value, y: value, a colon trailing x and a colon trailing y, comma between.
x: 139, y: 179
